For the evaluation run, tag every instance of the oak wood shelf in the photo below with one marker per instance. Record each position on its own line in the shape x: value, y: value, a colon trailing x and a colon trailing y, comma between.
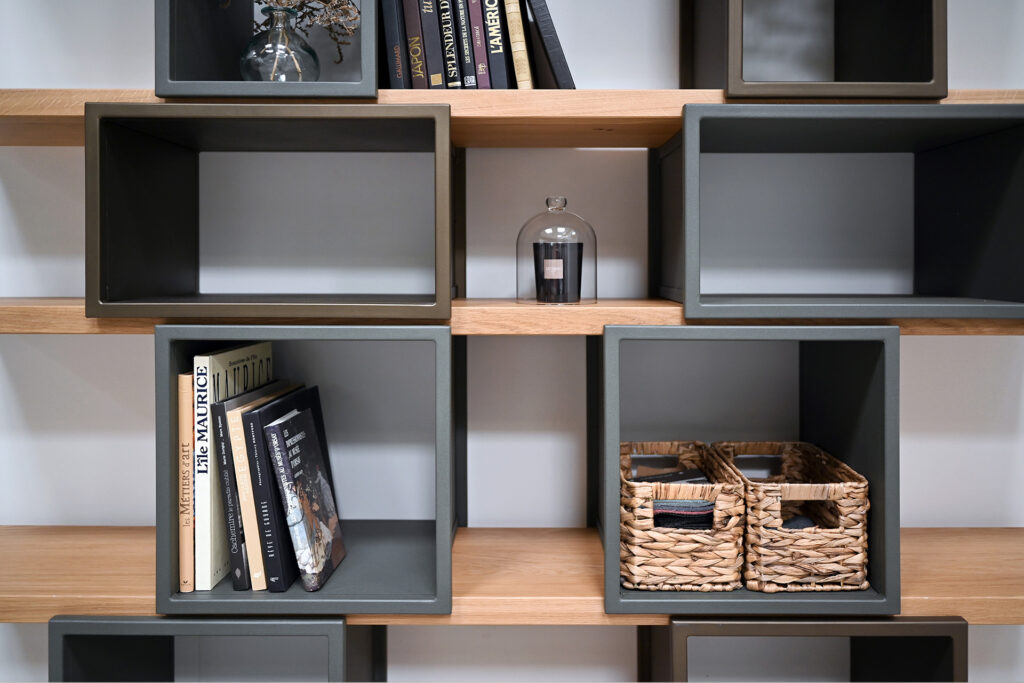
x: 496, y: 118
x: 499, y: 576
x: 471, y: 317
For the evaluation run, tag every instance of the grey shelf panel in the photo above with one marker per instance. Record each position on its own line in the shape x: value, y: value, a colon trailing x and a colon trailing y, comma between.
x: 199, y: 46
x: 146, y: 225
x: 880, y: 49
x: 142, y: 648
x: 392, y: 566
x: 951, y: 246
x: 388, y: 561
x: 837, y: 387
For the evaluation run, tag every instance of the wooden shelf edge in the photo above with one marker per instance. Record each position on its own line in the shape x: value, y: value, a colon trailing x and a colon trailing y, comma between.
x: 496, y: 118
x: 476, y: 317
x: 110, y: 571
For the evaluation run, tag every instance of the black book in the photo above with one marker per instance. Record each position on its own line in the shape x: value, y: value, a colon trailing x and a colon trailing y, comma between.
x: 396, y: 51
x: 499, y: 58
x: 229, y: 491
x: 449, y: 43
x: 278, y: 553
x: 464, y: 30
x: 300, y: 461
x: 431, y: 29
x: 550, y: 68
x: 414, y: 41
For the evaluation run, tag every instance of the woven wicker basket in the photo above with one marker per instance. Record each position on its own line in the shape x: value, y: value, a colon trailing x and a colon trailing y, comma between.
x: 831, y: 556
x: 657, y: 558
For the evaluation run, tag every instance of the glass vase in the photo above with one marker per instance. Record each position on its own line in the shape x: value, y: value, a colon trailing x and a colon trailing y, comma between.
x: 279, y: 53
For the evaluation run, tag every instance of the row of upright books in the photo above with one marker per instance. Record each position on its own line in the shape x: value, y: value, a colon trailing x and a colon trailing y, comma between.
x: 255, y: 497
x: 475, y: 44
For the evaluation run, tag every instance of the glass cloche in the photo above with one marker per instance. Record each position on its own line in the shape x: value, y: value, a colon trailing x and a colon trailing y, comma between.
x: 556, y: 258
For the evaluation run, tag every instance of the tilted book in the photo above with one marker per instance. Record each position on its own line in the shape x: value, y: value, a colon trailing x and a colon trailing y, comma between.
x: 239, y: 569
x: 414, y: 40
x: 217, y: 377
x: 551, y: 69
x: 517, y: 45
x: 186, y: 535
x: 307, y: 495
x: 237, y: 459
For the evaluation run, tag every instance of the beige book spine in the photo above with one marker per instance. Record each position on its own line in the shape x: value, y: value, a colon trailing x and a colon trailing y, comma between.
x: 186, y: 529
x: 517, y: 45
x: 250, y: 524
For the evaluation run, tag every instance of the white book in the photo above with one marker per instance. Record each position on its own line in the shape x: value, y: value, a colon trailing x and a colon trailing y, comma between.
x: 218, y: 377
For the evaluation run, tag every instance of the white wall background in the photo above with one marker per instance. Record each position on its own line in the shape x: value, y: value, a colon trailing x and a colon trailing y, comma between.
x: 77, y: 412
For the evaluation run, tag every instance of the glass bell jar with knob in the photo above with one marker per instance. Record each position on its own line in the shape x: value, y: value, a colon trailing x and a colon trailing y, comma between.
x: 556, y: 258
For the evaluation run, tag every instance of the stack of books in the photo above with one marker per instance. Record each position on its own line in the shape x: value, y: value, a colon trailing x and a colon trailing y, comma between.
x: 256, y: 495
x: 475, y: 44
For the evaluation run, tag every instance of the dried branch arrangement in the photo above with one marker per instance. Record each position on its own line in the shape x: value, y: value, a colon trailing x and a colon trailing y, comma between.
x: 340, y: 18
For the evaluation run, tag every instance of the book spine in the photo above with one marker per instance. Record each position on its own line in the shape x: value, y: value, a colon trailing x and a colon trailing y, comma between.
x: 449, y: 43
x: 432, y: 43
x: 478, y: 34
x: 186, y: 534
x: 286, y: 481
x: 517, y: 45
x: 267, y: 508
x: 463, y: 31
x: 414, y: 41
x: 229, y: 491
x: 246, y: 504
x: 201, y: 476
x: 497, y: 57
x: 394, y: 43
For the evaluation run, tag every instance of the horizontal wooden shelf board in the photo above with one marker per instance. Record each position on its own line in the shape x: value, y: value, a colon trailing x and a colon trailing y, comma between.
x: 494, y: 118
x: 469, y: 317
x: 499, y: 576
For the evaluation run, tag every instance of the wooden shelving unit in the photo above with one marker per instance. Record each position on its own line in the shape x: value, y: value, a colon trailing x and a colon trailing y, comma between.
x: 497, y: 118
x: 499, y: 576
x: 469, y: 317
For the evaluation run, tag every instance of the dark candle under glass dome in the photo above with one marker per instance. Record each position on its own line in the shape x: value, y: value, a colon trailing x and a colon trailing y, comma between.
x: 556, y: 258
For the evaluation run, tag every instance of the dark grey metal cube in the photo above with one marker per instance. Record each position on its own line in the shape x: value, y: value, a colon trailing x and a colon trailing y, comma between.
x: 392, y: 566
x: 881, y: 49
x: 836, y: 387
x: 959, y: 197
x: 199, y: 46
x: 142, y: 648
x: 144, y: 190
x: 888, y: 649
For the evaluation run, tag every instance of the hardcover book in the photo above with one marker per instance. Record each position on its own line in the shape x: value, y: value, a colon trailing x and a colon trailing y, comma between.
x: 517, y: 45
x: 243, y: 532
x: 414, y: 41
x: 497, y: 42
x: 307, y: 495
x: 217, y: 377
x: 432, y: 43
x: 465, y: 43
x: 186, y: 535
x: 478, y: 34
x: 449, y: 43
x: 551, y: 69
x: 393, y: 21
x: 278, y: 556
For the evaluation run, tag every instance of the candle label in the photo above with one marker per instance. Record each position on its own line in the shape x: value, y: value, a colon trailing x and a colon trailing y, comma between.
x: 553, y: 269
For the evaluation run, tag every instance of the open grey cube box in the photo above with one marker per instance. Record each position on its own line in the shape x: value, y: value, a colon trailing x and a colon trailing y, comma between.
x: 842, y: 48
x: 143, y: 648
x: 199, y: 46
x: 836, y: 387
x: 386, y: 397
x: 842, y: 211
x: 267, y: 211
